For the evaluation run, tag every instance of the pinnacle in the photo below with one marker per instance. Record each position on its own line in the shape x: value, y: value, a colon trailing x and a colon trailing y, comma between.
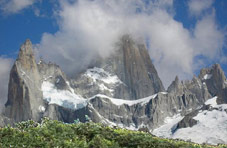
x: 26, y: 49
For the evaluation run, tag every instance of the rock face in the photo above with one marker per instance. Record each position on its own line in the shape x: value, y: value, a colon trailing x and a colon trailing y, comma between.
x: 132, y: 64
x: 194, y: 88
x: 215, y: 80
x: 147, y: 112
x: 25, y: 96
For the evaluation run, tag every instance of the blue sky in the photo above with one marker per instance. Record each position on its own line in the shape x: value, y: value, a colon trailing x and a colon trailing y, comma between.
x: 63, y: 32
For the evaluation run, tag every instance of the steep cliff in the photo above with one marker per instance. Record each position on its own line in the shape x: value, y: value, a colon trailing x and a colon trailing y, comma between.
x: 24, y: 95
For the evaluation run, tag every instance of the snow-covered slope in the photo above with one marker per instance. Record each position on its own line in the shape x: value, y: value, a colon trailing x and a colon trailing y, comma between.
x: 211, y: 125
x: 119, y: 102
x: 103, y: 79
x: 65, y: 98
x: 68, y: 98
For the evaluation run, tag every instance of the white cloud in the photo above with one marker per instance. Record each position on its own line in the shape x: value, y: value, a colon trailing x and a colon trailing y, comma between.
x: 5, y: 65
x: 196, y: 7
x: 15, y: 6
x: 88, y: 28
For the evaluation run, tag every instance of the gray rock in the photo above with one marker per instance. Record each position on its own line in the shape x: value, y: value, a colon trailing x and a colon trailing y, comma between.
x: 215, y: 79
x: 24, y: 95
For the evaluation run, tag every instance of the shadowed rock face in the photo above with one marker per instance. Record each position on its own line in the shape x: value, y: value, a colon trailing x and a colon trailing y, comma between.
x: 133, y: 66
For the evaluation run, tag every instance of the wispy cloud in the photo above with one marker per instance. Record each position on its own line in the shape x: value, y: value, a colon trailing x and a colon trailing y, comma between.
x: 5, y: 64
x: 92, y: 27
x: 15, y: 6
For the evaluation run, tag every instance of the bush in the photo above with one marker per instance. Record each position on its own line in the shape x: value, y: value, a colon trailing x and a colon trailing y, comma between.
x: 52, y: 133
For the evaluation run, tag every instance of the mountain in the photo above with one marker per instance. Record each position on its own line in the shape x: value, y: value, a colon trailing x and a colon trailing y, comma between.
x: 128, y: 73
x: 122, y: 90
x: 207, y: 123
x: 24, y: 94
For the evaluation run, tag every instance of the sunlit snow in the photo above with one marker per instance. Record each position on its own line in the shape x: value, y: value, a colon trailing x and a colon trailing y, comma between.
x: 129, y: 102
x: 211, y: 127
x: 65, y: 98
x: 102, y: 75
x: 207, y: 76
x: 166, y: 129
x: 103, y: 79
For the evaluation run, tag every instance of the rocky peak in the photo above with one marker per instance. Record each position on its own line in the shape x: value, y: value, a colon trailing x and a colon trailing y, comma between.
x: 132, y: 64
x: 192, y: 87
x: 26, y: 49
x: 24, y: 95
x: 26, y: 56
x: 214, y: 78
x: 175, y: 86
x: 129, y: 65
x: 140, y: 74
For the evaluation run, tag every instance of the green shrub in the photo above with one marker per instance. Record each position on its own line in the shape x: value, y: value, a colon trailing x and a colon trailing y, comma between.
x: 52, y: 133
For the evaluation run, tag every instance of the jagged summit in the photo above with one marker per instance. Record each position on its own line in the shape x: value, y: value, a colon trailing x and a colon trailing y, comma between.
x: 214, y: 77
x: 26, y: 49
x: 134, y: 67
x: 131, y: 64
x: 26, y: 56
x: 24, y: 95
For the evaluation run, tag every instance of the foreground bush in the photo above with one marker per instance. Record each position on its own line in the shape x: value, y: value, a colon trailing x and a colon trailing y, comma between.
x: 52, y: 133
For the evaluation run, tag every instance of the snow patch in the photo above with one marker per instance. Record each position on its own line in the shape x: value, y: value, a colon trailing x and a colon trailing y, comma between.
x: 103, y: 79
x: 42, y: 108
x: 212, y: 101
x: 164, y: 93
x: 207, y: 76
x: 102, y: 75
x: 65, y: 98
x: 119, y: 102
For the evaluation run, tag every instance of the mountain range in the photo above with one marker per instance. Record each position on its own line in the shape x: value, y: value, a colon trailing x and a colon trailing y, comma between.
x: 122, y: 90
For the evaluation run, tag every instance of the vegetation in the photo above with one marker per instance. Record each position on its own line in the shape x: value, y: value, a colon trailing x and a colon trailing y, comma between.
x: 52, y: 133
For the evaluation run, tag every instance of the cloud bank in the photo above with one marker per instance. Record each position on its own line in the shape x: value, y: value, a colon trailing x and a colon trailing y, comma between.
x: 5, y: 65
x: 15, y: 6
x: 89, y: 28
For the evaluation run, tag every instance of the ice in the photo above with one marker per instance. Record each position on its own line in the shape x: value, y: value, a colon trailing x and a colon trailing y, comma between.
x: 65, y: 98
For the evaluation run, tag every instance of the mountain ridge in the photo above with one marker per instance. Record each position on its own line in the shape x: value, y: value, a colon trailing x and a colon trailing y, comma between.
x: 42, y: 89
